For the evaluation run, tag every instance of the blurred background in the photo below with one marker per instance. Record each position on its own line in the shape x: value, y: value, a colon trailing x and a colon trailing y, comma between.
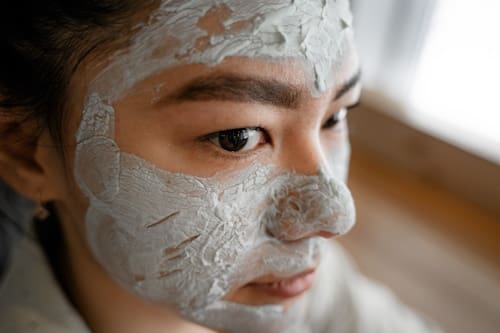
x: 425, y: 170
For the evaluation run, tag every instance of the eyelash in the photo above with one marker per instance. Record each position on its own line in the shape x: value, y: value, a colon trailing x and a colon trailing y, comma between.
x: 335, y: 119
x: 221, y: 152
x: 227, y: 154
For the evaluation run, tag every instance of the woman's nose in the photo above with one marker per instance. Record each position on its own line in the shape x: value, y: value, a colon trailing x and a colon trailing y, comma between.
x: 310, y: 200
x: 303, y: 153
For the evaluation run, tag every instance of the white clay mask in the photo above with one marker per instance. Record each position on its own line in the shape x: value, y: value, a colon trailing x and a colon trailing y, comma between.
x: 209, y: 31
x: 188, y: 241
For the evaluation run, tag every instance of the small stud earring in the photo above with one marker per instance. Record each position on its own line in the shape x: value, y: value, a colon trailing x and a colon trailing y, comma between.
x: 41, y: 213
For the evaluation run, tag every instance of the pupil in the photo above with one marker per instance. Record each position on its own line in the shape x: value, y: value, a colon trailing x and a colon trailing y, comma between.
x: 332, y: 121
x: 233, y: 140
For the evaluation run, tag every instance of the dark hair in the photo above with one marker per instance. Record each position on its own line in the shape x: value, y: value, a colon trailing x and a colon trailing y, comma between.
x: 42, y: 42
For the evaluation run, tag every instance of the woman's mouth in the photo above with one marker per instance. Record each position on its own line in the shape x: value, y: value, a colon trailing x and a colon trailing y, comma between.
x: 284, y: 288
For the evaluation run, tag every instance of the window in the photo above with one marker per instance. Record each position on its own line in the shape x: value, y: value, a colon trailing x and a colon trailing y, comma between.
x: 440, y: 59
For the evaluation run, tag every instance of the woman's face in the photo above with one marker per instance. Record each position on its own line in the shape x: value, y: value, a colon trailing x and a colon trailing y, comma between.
x: 207, y: 177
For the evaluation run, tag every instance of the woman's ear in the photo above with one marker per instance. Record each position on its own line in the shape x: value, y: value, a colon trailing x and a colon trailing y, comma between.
x: 20, y: 142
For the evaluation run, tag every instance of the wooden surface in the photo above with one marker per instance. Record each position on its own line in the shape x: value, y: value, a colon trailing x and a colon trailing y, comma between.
x: 439, y: 253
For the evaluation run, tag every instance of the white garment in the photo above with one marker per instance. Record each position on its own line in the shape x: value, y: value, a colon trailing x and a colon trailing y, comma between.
x: 343, y: 301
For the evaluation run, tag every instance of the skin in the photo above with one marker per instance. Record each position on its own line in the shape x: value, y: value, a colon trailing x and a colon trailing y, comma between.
x: 168, y: 135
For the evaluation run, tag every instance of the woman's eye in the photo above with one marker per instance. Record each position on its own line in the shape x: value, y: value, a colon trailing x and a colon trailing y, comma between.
x: 238, y: 140
x: 335, y: 119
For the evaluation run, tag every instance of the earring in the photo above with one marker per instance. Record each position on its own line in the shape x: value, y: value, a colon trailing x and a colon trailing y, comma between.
x: 41, y: 213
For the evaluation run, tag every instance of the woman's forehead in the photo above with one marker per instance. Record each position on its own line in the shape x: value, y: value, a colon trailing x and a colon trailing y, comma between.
x: 316, y: 32
x: 236, y: 79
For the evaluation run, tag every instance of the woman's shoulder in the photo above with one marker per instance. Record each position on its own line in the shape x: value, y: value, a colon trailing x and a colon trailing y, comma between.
x: 30, y: 298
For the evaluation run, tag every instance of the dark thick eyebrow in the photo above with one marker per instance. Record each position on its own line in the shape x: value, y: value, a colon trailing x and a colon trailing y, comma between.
x: 246, y: 89
x: 231, y: 87
x: 350, y: 84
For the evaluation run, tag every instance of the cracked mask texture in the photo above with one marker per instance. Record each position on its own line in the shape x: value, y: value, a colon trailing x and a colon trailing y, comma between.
x: 187, y: 241
x: 206, y: 32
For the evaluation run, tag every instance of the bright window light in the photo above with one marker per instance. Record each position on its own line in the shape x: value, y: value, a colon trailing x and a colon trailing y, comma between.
x: 457, y: 86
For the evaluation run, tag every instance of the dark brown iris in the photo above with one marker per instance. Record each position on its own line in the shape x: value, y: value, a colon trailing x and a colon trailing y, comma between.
x: 233, y: 140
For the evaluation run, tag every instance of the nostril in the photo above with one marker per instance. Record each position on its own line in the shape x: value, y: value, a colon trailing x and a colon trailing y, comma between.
x: 269, y: 232
x: 326, y: 234
x: 293, y: 232
x: 294, y: 206
x: 322, y: 234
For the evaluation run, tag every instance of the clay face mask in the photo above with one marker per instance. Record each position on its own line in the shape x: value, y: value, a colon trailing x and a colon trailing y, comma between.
x: 207, y: 32
x: 188, y: 241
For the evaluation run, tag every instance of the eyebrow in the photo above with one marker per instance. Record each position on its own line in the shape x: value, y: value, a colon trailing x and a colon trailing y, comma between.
x: 349, y: 85
x: 247, y: 89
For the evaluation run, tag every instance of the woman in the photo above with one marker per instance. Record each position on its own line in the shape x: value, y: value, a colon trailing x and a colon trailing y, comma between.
x: 192, y: 157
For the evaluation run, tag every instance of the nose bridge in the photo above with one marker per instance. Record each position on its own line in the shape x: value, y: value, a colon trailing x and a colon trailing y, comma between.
x: 304, y: 154
x: 307, y: 206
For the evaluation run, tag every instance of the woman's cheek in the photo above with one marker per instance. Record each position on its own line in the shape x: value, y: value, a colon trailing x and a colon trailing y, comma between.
x: 337, y: 151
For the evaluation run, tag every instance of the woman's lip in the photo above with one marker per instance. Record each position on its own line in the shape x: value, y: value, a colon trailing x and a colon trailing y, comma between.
x: 272, y: 278
x: 285, y: 287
